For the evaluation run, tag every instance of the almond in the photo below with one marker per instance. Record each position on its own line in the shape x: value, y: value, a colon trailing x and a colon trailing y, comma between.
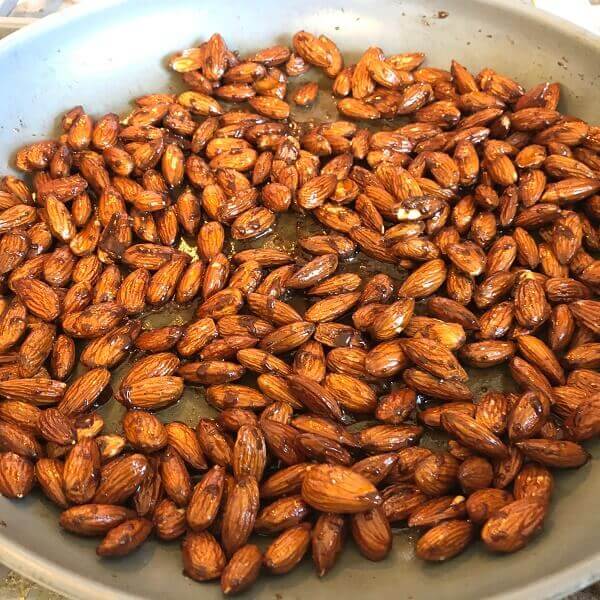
x: 203, y: 557
x: 445, y: 541
x: 92, y: 520
x: 288, y: 549
x: 332, y: 488
x: 511, y: 527
x: 242, y: 569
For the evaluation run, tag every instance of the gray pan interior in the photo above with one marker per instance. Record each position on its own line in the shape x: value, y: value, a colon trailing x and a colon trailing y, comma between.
x: 100, y: 56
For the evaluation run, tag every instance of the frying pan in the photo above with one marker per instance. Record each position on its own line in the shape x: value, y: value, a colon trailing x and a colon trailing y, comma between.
x: 102, y: 55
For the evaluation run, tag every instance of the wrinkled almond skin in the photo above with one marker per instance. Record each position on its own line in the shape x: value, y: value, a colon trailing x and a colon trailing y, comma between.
x: 332, y: 488
x: 144, y: 431
x: 554, y: 453
x: 205, y: 499
x: 372, y: 534
x: 17, y: 475
x: 239, y: 514
x: 483, y: 503
x: 203, y: 557
x: 94, y: 520
x: 534, y: 481
x: 81, y: 471
x: 436, y: 474
x: 288, y: 549
x: 242, y: 570
x: 511, y: 527
x: 444, y: 541
x: 120, y: 482
x: 328, y: 537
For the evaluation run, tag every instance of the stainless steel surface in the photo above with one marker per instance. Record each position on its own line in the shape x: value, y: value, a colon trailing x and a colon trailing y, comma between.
x: 101, y: 57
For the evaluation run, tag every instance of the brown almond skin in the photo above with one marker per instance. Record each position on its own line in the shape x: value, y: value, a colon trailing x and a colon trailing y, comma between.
x: 120, y: 482
x: 287, y: 337
x: 535, y: 350
x: 14, y: 439
x: 447, y: 390
x: 160, y: 339
x: 309, y: 360
x: 475, y: 473
x: 94, y: 520
x: 203, y: 557
x: 84, y: 391
x: 322, y: 449
x: 434, y: 358
x: 235, y: 396
x: 432, y: 416
x: 372, y: 534
x: 436, y: 510
x: 81, y: 471
x: 554, y: 453
x: 450, y: 310
x: 425, y: 280
x: 445, y: 540
x: 55, y: 427
x: 232, y: 419
x: 144, y: 431
x: 184, y: 440
x: 528, y: 376
x: 313, y: 272
x: 37, y: 390
x: 206, y: 499
x: 17, y: 476
x: 483, y: 503
x: 512, y: 526
x: 386, y: 359
x: 242, y: 570
x: 436, y: 474
x: 239, y: 514
x: 396, y: 406
x: 474, y: 435
x: 49, y: 475
x: 534, y: 481
x: 506, y: 469
x: 326, y: 428
x: 314, y: 396
x: 62, y: 358
x: 22, y: 414
x: 288, y: 549
x: 261, y: 361
x: 281, y: 514
x: 213, y: 443
x: 332, y: 488
x: 388, y: 438
x: 584, y: 422
x: 328, y: 537
x: 513, y: 247
x: 487, y: 353
x: 124, y: 538
x: 492, y: 411
x: 249, y: 453
x: 352, y: 393
x: 175, y: 477
x: 169, y: 520
x: 528, y: 416
x: 152, y: 393
x: 285, y: 481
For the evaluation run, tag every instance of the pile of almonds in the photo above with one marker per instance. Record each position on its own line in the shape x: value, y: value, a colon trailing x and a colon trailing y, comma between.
x: 481, y: 199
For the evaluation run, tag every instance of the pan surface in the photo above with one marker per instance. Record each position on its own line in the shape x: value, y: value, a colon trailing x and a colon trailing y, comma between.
x: 103, y: 55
